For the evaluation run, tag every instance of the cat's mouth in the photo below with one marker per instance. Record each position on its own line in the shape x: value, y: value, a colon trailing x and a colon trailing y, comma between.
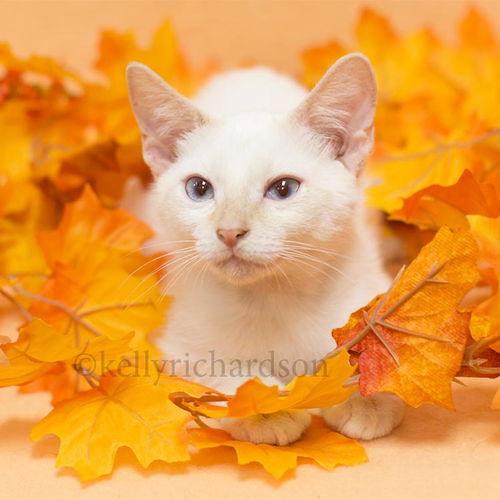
x: 238, y: 261
x: 237, y: 267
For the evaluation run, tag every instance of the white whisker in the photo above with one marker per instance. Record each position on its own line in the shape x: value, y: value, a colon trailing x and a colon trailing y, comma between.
x: 291, y: 258
x: 304, y: 255
x: 182, y: 271
x: 171, y: 263
x: 300, y: 245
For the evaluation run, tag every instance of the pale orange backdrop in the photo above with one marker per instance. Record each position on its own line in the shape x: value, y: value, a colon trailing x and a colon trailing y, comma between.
x: 267, y: 31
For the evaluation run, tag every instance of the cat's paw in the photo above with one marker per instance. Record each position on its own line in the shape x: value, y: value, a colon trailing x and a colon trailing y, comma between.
x: 281, y: 428
x: 365, y: 417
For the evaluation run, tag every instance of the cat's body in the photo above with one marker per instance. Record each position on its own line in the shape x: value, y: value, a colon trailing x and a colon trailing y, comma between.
x: 260, y: 279
x: 290, y: 317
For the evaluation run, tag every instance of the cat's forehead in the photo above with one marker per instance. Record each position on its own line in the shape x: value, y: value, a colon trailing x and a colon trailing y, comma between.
x: 251, y: 146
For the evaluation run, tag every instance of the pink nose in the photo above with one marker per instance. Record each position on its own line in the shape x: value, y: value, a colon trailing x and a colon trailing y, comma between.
x: 231, y: 236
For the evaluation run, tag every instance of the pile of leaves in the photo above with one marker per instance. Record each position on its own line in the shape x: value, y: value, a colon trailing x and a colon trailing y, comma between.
x: 87, y: 301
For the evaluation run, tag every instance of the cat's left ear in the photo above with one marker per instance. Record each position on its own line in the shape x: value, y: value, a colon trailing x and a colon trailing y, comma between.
x: 341, y: 109
x: 164, y: 116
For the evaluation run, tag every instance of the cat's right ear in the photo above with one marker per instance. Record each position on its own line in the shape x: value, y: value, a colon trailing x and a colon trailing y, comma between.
x: 164, y: 116
x: 340, y: 109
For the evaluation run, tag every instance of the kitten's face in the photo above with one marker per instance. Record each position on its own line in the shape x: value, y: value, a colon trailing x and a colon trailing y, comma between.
x: 255, y: 194
x: 240, y: 161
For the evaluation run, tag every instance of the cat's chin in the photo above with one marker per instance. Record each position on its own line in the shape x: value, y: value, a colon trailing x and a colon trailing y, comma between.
x: 240, y: 271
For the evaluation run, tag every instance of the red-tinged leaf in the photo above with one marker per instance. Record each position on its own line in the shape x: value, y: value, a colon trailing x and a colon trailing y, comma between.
x: 411, y: 340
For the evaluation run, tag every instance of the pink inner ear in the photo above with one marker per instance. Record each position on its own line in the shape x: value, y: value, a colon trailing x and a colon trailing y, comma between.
x: 163, y: 115
x: 341, y: 109
x: 156, y: 155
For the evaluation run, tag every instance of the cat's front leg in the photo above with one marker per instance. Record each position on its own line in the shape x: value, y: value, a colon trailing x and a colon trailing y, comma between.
x: 280, y: 428
x: 365, y: 417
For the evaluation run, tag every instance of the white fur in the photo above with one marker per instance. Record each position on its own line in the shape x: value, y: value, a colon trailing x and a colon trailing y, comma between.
x: 253, y: 127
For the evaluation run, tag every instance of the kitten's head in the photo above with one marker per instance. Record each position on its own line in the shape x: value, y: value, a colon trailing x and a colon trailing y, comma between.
x: 257, y: 193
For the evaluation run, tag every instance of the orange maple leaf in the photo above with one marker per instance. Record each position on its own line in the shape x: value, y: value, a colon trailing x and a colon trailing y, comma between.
x: 436, y: 206
x: 411, y: 340
x: 92, y: 304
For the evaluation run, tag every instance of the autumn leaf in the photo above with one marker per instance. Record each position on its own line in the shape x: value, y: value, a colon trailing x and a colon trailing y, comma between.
x: 482, y: 357
x: 163, y: 56
x: 4, y: 361
x: 317, y: 60
x: 319, y: 444
x: 496, y: 401
x: 99, y: 303
x: 411, y: 340
x: 41, y: 350
x: 22, y: 365
x: 86, y: 222
x: 105, y: 166
x: 436, y: 206
x: 486, y: 325
x: 422, y: 163
x: 324, y: 388
x: 428, y: 130
x: 63, y: 383
x: 486, y: 231
x: 133, y: 412
x: 24, y: 209
x: 101, y: 283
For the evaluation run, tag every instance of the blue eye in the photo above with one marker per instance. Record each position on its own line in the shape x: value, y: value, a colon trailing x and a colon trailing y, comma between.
x: 199, y: 189
x: 282, y: 188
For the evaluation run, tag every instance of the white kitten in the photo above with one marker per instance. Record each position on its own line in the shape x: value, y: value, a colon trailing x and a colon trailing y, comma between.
x: 258, y: 199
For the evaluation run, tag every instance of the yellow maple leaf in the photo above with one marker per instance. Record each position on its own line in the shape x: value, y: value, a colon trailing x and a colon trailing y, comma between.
x: 41, y: 350
x: 429, y: 130
x: 320, y: 444
x: 133, y: 412
x: 324, y: 388
x: 487, y: 233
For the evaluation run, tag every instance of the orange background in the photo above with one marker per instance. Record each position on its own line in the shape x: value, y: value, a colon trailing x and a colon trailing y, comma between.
x: 272, y: 32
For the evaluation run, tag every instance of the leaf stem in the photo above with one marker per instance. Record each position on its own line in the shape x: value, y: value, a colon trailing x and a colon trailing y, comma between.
x: 477, y: 347
x: 372, y: 322
x: 59, y: 305
x: 112, y: 307
x: 441, y: 148
x: 24, y: 312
